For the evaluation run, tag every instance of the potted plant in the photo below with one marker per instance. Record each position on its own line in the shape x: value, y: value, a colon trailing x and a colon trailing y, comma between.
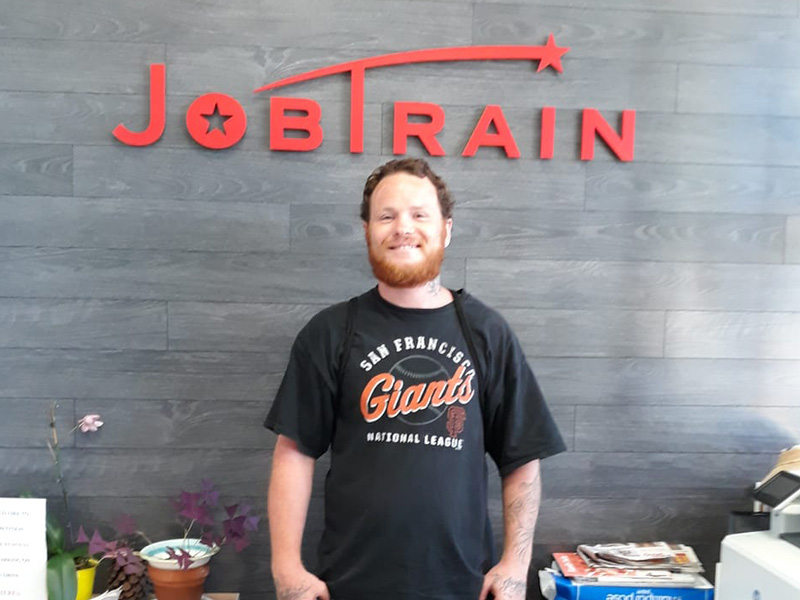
x: 70, y: 572
x: 178, y: 567
x: 70, y: 569
x: 128, y: 566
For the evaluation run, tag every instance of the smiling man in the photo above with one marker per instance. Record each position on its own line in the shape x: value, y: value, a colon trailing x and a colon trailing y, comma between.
x: 409, y: 386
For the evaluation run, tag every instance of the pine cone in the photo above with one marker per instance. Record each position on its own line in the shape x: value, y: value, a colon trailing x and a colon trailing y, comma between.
x: 134, y: 587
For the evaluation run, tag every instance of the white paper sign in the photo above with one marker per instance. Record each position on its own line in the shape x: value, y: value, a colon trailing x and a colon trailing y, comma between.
x: 23, y: 549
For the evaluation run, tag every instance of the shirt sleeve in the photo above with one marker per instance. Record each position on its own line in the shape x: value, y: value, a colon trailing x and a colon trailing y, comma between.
x: 518, y: 425
x: 303, y: 409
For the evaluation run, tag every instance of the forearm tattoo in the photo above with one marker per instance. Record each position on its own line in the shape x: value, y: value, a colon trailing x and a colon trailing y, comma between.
x: 521, y: 514
x: 513, y: 588
x: 510, y: 587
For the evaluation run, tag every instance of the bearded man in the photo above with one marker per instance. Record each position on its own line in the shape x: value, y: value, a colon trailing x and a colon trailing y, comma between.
x: 409, y: 386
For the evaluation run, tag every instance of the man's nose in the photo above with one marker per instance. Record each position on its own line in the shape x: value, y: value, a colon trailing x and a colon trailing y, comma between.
x: 404, y: 224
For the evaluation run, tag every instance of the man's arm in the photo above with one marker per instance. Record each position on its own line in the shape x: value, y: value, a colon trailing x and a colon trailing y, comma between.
x: 287, y: 507
x: 522, y: 491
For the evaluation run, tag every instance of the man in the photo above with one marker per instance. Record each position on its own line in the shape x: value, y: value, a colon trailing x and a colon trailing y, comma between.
x: 409, y: 385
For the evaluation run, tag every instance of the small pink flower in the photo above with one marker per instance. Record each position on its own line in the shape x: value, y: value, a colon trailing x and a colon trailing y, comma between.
x: 90, y: 423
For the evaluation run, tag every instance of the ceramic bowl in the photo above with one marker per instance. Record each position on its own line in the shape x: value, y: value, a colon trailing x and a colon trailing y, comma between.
x: 156, y: 554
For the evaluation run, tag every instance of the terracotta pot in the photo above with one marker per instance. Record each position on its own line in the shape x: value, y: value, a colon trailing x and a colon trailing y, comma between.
x: 180, y: 584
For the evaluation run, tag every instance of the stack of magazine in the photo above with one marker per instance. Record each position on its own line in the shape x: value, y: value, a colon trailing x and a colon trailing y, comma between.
x: 632, y: 571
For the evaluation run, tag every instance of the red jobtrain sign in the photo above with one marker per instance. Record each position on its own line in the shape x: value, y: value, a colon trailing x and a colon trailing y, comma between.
x: 491, y: 130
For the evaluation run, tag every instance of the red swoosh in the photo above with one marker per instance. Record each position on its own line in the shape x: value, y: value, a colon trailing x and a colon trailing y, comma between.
x: 548, y: 55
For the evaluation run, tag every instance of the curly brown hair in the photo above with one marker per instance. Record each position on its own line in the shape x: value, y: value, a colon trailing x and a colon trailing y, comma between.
x: 414, y: 166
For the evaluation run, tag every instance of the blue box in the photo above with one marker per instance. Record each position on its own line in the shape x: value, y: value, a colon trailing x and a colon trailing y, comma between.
x: 566, y: 589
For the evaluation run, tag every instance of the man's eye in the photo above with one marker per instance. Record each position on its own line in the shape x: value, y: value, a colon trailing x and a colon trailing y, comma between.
x: 421, y: 216
x: 385, y: 218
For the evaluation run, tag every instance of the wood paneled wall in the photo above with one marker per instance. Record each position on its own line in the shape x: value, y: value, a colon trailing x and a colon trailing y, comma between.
x: 658, y: 300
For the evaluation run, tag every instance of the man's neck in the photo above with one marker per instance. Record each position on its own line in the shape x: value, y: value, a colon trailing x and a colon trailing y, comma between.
x: 428, y: 295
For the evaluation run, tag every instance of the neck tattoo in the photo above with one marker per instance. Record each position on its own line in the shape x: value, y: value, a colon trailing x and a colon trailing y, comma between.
x: 434, y: 286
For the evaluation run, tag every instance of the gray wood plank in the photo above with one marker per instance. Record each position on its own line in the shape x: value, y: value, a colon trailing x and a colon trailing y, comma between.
x: 564, y: 416
x: 786, y: 8
x: 640, y: 186
x: 72, y: 118
x: 588, y: 333
x: 20, y: 18
x: 690, y: 520
x: 35, y: 169
x: 235, y: 70
x: 640, y: 475
x: 732, y: 335
x: 215, y: 22
x: 793, y: 240
x: 716, y: 140
x: 738, y: 90
x: 618, y: 236
x: 537, y: 184
x: 176, y: 424
x: 88, y: 471
x: 691, y: 429
x: 600, y: 84
x: 28, y: 470
x: 185, y: 174
x: 148, y: 375
x: 669, y: 382
x: 74, y: 66
x: 26, y: 422
x: 84, y: 324
x: 239, y: 70
x: 147, y: 224
x: 634, y: 285
x: 235, y: 327
x: 190, y: 276
x: 682, y: 37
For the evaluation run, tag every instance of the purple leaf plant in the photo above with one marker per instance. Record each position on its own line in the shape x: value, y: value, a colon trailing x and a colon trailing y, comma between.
x: 197, y: 511
x: 119, y: 550
x: 215, y: 526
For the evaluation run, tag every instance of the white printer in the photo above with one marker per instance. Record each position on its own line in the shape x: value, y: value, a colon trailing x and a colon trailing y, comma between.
x: 765, y: 565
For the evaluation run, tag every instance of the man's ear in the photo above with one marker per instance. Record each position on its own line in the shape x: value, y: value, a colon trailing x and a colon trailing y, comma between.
x: 448, y: 225
x: 366, y: 232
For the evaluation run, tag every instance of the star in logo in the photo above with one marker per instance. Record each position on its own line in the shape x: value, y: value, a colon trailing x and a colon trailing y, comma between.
x: 216, y: 120
x: 551, y: 55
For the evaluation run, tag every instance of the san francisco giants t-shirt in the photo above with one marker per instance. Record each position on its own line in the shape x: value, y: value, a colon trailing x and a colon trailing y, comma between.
x: 405, y: 497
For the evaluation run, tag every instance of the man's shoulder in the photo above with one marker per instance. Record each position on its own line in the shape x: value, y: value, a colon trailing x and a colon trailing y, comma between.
x: 480, y: 316
x: 330, y: 321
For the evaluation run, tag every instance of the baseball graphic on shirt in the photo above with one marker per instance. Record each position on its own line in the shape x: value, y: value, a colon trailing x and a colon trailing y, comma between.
x: 416, y: 369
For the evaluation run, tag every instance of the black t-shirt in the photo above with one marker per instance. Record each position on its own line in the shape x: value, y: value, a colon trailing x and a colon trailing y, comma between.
x: 405, y: 498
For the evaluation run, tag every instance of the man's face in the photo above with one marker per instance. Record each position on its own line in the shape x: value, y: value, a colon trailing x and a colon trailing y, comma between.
x: 406, y: 234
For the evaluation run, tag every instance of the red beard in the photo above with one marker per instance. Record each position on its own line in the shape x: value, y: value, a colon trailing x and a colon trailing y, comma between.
x: 405, y: 275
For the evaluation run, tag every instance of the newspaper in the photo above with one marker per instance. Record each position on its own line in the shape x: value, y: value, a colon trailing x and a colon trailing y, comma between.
x: 642, y: 555
x: 571, y: 565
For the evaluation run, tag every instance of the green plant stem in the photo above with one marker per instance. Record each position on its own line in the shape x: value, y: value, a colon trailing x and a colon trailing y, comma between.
x: 143, y: 536
x: 55, y: 452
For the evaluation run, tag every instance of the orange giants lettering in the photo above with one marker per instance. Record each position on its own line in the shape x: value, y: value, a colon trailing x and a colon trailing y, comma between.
x: 385, y: 394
